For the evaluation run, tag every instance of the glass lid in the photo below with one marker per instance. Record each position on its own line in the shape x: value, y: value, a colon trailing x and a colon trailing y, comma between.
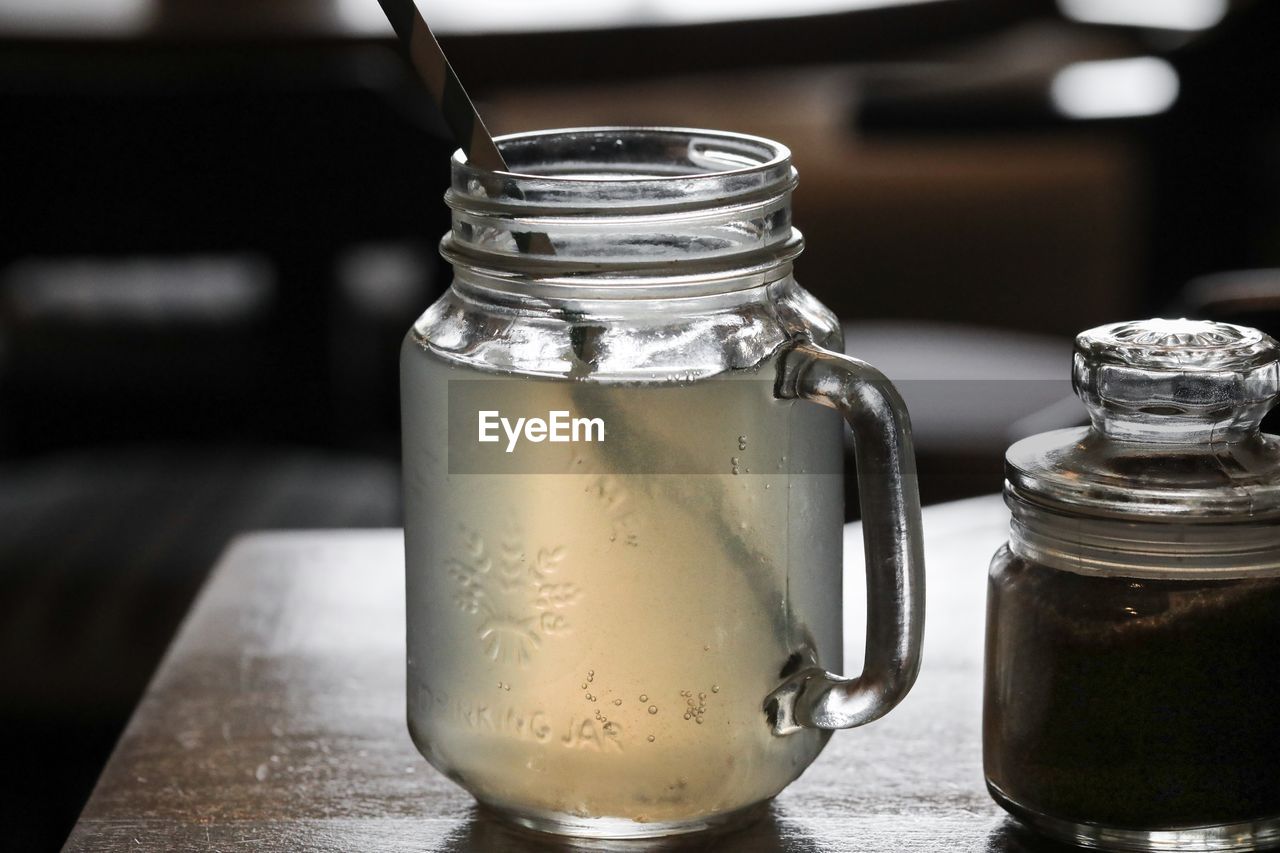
x: 1175, y: 408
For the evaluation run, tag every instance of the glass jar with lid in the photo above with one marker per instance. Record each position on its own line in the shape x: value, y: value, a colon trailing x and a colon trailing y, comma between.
x: 1133, y: 629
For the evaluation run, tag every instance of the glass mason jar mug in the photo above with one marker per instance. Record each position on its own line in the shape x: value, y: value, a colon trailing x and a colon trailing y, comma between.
x: 623, y: 514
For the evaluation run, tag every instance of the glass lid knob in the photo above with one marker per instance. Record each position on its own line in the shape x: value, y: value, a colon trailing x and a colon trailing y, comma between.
x: 1183, y: 381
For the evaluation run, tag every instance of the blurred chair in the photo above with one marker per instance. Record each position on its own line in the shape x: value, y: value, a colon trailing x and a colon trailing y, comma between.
x: 212, y: 253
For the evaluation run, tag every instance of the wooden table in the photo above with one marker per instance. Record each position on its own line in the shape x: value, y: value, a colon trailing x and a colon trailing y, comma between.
x: 276, y: 722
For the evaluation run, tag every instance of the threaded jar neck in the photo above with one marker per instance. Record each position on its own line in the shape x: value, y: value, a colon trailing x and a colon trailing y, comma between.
x: 1160, y: 548
x: 675, y: 209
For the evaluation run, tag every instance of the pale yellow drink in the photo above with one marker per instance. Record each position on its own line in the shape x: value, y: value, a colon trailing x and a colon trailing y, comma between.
x: 594, y: 646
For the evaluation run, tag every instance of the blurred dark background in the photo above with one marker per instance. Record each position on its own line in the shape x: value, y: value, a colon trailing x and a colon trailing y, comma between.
x: 220, y: 218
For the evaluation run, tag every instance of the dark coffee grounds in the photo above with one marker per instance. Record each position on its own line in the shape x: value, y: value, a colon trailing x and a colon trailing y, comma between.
x: 1133, y: 703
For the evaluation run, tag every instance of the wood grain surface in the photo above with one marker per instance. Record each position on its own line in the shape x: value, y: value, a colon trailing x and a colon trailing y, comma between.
x: 276, y: 722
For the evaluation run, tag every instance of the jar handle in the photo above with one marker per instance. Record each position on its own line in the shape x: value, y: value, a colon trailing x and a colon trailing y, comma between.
x: 889, y: 497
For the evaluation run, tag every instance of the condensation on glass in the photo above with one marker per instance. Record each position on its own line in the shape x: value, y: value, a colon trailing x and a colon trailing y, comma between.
x: 1133, y: 633
x: 634, y: 636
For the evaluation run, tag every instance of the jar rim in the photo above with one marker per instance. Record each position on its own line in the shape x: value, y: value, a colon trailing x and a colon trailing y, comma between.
x: 774, y: 153
x: 636, y: 171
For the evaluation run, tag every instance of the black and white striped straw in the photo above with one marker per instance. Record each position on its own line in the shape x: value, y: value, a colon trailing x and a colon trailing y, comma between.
x: 428, y: 59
